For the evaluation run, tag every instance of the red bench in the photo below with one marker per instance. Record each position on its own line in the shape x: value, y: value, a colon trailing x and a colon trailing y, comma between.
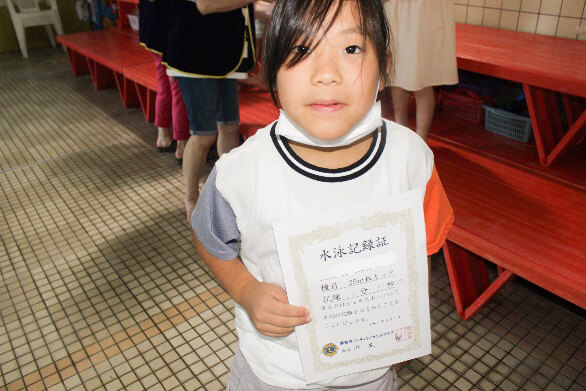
x: 105, y: 54
x: 519, y: 206
x: 527, y: 224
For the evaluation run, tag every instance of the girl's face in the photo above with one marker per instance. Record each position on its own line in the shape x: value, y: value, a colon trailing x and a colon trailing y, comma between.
x: 333, y: 87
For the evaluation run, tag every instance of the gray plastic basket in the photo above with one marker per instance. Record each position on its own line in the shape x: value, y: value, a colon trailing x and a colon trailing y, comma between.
x: 507, y: 124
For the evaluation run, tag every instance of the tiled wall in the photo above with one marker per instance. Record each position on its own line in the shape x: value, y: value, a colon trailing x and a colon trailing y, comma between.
x: 560, y: 18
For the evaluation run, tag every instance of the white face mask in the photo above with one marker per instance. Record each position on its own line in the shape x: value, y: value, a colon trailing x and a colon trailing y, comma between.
x: 292, y: 131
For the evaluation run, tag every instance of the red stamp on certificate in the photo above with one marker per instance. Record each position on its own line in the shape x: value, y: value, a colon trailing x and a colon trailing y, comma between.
x: 403, y: 334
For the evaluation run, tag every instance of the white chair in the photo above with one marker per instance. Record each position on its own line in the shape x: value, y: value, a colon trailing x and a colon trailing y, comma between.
x: 26, y: 13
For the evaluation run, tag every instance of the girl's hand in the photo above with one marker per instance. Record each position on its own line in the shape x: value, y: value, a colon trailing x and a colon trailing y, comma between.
x: 270, y: 311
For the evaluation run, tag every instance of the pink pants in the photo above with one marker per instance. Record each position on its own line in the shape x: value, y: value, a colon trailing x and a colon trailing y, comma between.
x: 169, y: 106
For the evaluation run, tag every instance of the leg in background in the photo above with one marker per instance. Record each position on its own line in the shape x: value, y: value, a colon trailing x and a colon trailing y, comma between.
x: 228, y: 116
x: 401, y: 105
x: 424, y: 109
x: 228, y: 137
x: 212, y: 107
x: 162, y: 106
x: 194, y: 158
x: 180, y: 119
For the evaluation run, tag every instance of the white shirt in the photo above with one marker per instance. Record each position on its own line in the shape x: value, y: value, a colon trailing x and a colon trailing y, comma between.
x: 264, y: 181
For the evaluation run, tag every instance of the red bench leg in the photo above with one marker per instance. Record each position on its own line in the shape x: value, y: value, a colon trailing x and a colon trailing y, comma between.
x: 468, y: 275
x: 102, y: 77
x: 543, y: 128
x: 146, y: 98
x: 574, y: 135
x: 573, y: 107
x: 550, y: 137
x: 126, y: 90
x: 78, y: 62
x: 469, y: 279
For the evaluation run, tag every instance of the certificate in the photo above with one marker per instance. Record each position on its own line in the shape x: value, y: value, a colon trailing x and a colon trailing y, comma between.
x: 362, y: 273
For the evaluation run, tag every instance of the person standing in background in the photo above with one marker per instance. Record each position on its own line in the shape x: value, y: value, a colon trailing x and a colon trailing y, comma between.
x: 211, y: 44
x: 424, y: 42
x: 169, y: 105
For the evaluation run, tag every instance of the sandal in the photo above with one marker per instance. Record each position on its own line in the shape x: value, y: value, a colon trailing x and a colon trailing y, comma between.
x: 179, y: 152
x: 169, y: 148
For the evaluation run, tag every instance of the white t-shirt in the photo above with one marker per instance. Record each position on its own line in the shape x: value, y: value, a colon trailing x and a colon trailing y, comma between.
x: 264, y: 181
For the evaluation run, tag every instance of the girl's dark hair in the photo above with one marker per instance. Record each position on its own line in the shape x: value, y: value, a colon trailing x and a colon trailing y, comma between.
x: 297, y: 22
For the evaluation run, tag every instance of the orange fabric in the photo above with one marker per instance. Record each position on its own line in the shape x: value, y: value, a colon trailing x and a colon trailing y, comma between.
x: 439, y: 215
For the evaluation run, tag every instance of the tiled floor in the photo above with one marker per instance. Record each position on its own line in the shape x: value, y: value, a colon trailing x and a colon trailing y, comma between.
x: 100, y: 287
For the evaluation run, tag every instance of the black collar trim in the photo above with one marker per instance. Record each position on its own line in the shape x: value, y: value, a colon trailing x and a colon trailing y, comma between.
x: 331, y: 175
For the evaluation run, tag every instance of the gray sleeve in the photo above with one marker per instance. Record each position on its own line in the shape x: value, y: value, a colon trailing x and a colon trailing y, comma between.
x: 214, y: 222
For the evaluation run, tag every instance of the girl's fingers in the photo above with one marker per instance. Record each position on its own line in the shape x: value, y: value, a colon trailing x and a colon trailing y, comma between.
x: 275, y: 331
x: 288, y: 310
x: 285, y: 320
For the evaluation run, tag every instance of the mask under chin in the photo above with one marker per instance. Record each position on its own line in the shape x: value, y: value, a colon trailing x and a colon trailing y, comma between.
x: 287, y: 128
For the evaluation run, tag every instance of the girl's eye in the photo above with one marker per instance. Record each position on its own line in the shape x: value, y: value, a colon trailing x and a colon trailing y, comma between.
x: 354, y: 49
x: 299, y: 49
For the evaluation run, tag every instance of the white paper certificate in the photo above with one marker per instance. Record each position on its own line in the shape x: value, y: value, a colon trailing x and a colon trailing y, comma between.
x: 363, y: 274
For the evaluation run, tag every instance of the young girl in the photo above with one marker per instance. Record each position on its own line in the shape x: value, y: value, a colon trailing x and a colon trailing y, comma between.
x: 325, y: 61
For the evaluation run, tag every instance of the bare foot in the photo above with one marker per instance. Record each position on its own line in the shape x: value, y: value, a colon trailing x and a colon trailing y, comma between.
x: 164, y: 139
x: 180, y: 149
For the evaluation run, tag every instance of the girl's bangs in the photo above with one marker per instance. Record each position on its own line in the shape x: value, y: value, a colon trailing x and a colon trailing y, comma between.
x: 311, y: 16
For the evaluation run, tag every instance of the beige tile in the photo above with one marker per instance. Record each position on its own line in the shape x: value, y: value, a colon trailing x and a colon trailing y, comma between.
x: 460, y: 12
x: 51, y: 380
x: 491, y: 18
x: 88, y: 374
x: 567, y: 27
x: 572, y: 8
x: 530, y: 5
x: 527, y: 22
x: 512, y: 5
x: 547, y: 24
x: 214, y: 385
x: 170, y: 383
x: 493, y: 3
x: 205, y: 377
x: 551, y: 7
x: 163, y: 373
x: 193, y: 384
x: 582, y: 36
x: 32, y: 378
x: 149, y: 380
x: 477, y: 3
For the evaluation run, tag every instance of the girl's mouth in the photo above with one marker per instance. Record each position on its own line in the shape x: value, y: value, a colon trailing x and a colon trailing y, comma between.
x: 326, y: 107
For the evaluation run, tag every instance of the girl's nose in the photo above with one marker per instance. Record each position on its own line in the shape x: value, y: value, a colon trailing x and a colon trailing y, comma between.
x: 326, y: 69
